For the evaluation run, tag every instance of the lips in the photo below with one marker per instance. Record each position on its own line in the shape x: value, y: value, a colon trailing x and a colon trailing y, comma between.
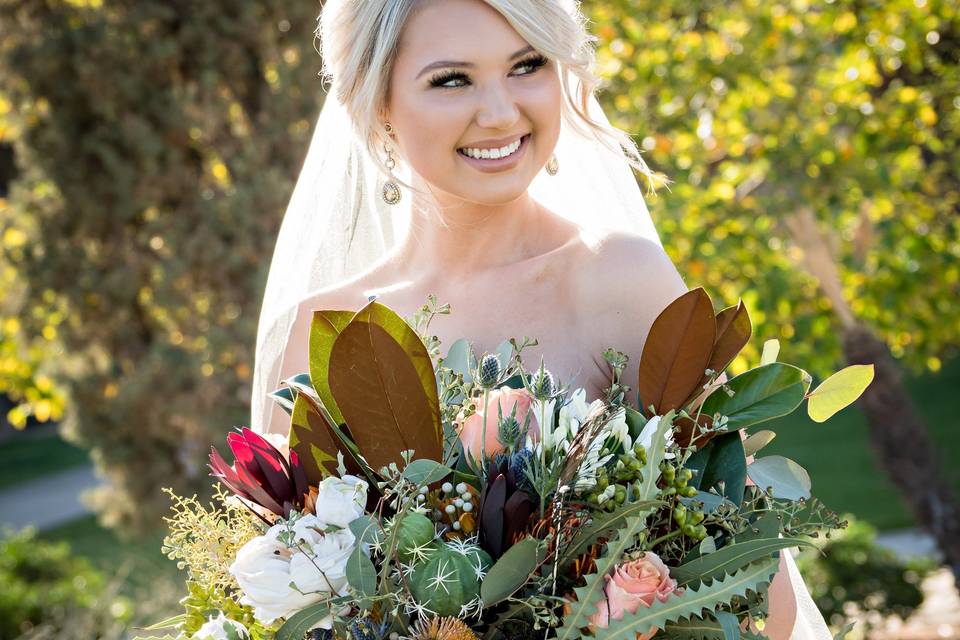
x: 524, y: 139
x: 494, y: 143
x: 498, y: 164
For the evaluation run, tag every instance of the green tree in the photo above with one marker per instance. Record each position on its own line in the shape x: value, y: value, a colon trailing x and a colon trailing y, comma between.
x: 156, y: 144
x: 814, y: 152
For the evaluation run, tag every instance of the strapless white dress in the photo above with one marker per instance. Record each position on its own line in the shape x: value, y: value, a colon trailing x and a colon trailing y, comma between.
x: 810, y: 624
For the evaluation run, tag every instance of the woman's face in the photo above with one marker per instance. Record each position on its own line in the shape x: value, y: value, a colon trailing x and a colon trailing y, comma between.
x: 464, y: 83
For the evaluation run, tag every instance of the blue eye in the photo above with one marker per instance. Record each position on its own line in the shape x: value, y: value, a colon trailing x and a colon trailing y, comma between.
x: 534, y: 62
x: 440, y: 80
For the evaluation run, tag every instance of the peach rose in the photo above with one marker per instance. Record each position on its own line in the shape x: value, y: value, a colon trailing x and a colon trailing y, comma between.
x: 471, y: 431
x: 633, y: 584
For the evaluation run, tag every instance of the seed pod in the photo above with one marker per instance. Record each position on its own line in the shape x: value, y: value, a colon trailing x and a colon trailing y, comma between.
x: 489, y: 370
x: 542, y: 384
x: 508, y: 430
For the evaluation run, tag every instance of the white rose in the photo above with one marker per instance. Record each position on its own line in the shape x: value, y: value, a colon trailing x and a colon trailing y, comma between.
x: 265, y: 569
x: 328, y: 553
x: 341, y: 500
x: 219, y: 628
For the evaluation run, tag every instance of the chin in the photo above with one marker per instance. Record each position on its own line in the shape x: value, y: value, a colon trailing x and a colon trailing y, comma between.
x: 489, y: 190
x: 493, y: 197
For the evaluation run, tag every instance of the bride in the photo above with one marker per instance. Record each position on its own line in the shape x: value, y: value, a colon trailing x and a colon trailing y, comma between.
x: 461, y: 152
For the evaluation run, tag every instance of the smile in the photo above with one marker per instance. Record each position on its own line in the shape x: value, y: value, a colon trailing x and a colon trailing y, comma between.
x: 496, y: 159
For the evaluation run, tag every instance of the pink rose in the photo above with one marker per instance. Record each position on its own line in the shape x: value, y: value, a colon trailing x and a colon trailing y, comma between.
x: 471, y: 428
x: 632, y: 584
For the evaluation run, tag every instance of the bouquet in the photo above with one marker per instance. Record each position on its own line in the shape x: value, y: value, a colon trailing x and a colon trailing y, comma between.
x: 464, y: 496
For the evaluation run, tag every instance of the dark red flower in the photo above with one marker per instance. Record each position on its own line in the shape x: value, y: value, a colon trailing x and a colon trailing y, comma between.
x: 261, y: 473
x: 505, y: 509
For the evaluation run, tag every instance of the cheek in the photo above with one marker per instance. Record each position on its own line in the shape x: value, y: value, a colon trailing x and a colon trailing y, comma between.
x: 435, y: 124
x: 542, y: 102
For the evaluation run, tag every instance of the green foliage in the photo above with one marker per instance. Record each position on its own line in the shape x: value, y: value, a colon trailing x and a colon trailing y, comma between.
x: 46, y: 585
x: 202, y: 602
x: 624, y: 537
x: 853, y: 568
x: 759, y: 109
x: 511, y: 571
x: 694, y: 601
x: 143, y: 216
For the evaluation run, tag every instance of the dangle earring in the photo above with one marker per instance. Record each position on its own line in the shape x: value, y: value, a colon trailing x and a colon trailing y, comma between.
x: 391, y: 191
x: 553, y: 165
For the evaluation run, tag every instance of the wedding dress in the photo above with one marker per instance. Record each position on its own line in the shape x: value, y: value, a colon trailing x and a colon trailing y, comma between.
x: 336, y: 226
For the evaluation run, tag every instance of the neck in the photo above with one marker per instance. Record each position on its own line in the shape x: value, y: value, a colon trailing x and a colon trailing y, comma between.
x: 456, y: 238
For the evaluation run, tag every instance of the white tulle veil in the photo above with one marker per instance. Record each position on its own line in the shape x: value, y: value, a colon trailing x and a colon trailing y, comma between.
x: 337, y: 226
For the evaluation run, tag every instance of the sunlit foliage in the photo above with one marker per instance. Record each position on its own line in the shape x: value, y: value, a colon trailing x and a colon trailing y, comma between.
x: 756, y: 109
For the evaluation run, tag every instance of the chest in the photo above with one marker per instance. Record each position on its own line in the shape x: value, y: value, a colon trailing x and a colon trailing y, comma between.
x: 543, y: 304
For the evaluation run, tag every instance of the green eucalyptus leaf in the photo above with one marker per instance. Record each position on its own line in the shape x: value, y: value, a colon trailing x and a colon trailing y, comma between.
x: 424, y: 472
x: 729, y: 624
x: 366, y: 530
x: 297, y: 625
x: 361, y: 574
x: 757, y: 441
x: 787, y: 478
x: 460, y: 359
x: 511, y: 571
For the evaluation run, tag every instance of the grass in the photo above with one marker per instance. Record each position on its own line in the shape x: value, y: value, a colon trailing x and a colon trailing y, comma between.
x: 143, y: 573
x: 842, y: 465
x: 29, y: 458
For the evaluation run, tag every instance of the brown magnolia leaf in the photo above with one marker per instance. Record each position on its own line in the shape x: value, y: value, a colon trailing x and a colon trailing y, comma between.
x: 677, y: 350
x: 383, y: 382
x: 733, y: 332
x: 316, y: 443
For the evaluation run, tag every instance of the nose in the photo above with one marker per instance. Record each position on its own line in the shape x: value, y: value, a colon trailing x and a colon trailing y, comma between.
x: 498, y: 108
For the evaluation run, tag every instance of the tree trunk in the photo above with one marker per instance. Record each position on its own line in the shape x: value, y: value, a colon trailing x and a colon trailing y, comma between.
x: 902, y: 444
x: 897, y: 433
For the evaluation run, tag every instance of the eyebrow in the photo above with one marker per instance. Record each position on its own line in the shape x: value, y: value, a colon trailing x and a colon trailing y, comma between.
x: 459, y: 63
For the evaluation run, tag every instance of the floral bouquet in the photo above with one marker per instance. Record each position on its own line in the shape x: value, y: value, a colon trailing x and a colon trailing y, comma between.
x: 457, y: 497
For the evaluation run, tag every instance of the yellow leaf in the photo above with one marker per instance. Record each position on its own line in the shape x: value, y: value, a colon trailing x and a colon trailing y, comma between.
x: 771, y: 349
x: 838, y: 391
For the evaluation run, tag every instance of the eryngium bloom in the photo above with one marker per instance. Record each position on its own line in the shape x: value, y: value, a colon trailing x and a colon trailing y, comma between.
x: 261, y: 473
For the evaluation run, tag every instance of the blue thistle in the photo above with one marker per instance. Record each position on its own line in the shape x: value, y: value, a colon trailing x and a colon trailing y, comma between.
x: 519, y: 462
x: 366, y: 629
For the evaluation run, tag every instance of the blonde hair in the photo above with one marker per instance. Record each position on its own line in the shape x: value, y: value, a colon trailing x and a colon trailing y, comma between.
x: 358, y: 40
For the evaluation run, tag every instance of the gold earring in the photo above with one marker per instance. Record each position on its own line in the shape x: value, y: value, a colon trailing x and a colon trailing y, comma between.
x: 391, y: 190
x: 553, y: 165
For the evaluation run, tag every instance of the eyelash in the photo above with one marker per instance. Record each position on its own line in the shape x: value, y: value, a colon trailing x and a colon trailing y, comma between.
x: 442, y: 78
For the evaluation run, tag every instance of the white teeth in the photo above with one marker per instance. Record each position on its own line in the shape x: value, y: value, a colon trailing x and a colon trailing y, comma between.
x: 492, y: 154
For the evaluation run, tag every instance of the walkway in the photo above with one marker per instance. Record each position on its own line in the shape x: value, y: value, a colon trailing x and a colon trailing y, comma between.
x: 47, y: 502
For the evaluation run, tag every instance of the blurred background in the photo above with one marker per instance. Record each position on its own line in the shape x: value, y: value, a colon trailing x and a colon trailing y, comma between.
x: 147, y: 151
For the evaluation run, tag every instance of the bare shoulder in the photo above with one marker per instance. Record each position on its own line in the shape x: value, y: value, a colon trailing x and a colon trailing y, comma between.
x: 342, y: 296
x: 624, y: 268
x: 348, y: 295
x: 623, y: 284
